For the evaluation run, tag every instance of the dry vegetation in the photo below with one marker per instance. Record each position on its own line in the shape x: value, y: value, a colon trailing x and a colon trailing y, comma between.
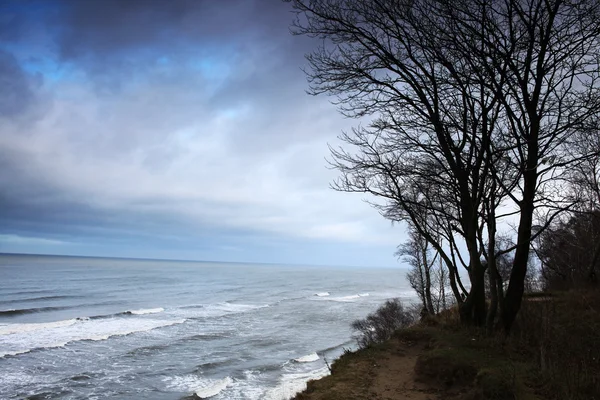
x: 553, y: 353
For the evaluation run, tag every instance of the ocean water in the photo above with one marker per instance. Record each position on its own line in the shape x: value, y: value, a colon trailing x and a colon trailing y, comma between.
x: 99, y: 328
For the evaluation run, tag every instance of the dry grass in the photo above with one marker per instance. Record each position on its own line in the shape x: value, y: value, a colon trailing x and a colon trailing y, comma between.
x: 562, y: 334
x: 553, y: 353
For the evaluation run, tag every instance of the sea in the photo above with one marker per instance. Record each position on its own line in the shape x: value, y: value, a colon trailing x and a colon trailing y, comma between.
x: 105, y: 328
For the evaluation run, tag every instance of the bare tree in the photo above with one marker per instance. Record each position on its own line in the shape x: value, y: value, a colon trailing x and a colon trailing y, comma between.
x: 467, y: 101
x: 416, y: 252
x: 543, y: 67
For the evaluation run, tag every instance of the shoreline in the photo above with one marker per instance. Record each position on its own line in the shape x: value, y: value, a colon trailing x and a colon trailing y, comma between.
x: 426, y: 362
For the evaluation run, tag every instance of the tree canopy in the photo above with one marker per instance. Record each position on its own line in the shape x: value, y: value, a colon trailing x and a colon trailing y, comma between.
x: 473, y: 109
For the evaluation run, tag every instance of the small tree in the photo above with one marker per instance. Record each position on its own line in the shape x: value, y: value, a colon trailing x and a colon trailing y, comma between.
x: 569, y: 252
x: 379, y: 326
x: 416, y: 252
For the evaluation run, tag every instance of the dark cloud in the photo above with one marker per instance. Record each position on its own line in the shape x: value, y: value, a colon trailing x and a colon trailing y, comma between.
x: 11, y: 23
x: 18, y: 88
x: 124, y: 34
x: 166, y: 120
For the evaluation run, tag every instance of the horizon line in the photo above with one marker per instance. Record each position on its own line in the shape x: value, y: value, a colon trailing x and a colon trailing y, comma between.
x: 193, y: 261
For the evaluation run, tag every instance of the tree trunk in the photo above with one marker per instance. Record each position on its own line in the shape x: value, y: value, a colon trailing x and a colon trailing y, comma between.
x: 474, y: 310
x: 493, y: 274
x: 489, y: 325
x: 427, y: 268
x: 442, y: 293
x: 516, y: 286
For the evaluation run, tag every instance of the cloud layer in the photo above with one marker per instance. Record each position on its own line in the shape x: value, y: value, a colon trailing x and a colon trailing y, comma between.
x: 170, y: 129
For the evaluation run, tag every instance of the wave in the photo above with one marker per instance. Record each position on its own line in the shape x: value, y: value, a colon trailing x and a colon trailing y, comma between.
x: 204, y: 367
x: 152, y: 349
x: 213, y: 389
x: 308, y: 358
x: 205, y: 337
x: 322, y: 294
x: 17, y: 339
x: 42, y: 298
x: 21, y: 292
x: 147, y: 350
x: 22, y: 311
x: 290, y: 384
x: 350, y: 298
x: 144, y: 311
x: 81, y: 377
x: 217, y: 310
x: 250, y: 385
x: 23, y: 328
x: 202, y: 387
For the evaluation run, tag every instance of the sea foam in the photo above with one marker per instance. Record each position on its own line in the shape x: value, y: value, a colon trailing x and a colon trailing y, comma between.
x: 146, y: 311
x: 202, y: 387
x: 22, y: 338
x: 290, y: 384
x: 308, y: 358
x: 11, y: 329
x: 350, y: 298
x: 213, y: 388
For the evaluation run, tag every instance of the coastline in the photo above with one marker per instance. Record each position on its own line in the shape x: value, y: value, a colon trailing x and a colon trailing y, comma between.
x: 428, y: 362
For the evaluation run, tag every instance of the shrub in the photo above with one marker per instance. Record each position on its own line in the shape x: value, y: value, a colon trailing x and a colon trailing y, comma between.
x: 379, y: 326
x: 562, y: 333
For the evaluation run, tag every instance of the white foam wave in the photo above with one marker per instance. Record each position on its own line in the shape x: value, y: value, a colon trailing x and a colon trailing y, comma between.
x: 350, y: 298
x: 344, y: 298
x: 308, y: 358
x: 11, y: 329
x: 214, y: 388
x: 146, y: 311
x: 202, y: 387
x: 251, y: 387
x: 322, y: 294
x: 21, y: 338
x: 290, y: 384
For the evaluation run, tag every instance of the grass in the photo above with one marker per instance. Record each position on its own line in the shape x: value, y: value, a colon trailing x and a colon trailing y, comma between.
x: 553, y: 353
x: 351, y: 377
x: 467, y: 365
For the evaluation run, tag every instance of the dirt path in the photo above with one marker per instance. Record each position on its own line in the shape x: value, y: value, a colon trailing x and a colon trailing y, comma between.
x: 395, y: 376
x: 374, y: 374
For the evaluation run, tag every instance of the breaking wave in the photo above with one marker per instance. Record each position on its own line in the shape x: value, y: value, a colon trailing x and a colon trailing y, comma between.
x: 144, y: 311
x: 350, y: 298
x: 308, y: 358
x: 202, y: 387
x: 290, y: 384
x: 22, y: 338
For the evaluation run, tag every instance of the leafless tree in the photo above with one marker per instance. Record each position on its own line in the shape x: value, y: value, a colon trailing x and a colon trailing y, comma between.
x: 416, y: 252
x: 465, y: 100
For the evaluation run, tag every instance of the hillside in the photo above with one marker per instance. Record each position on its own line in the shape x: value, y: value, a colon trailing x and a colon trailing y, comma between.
x: 551, y: 354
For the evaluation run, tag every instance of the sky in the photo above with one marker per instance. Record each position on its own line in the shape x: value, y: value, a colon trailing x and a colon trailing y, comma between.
x: 172, y: 129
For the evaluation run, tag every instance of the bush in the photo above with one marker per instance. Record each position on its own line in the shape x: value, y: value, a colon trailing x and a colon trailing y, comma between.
x: 379, y: 326
x: 562, y: 333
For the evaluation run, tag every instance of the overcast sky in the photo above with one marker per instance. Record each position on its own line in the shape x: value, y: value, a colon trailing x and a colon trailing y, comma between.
x: 171, y: 129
